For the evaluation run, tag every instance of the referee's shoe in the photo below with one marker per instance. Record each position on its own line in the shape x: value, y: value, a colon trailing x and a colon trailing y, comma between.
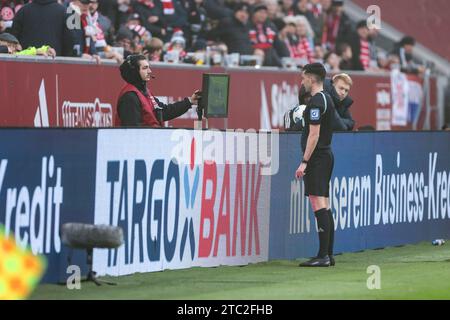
x: 317, y: 262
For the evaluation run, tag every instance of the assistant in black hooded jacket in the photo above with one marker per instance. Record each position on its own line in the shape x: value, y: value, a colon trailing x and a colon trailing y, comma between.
x: 129, y: 106
x: 43, y: 22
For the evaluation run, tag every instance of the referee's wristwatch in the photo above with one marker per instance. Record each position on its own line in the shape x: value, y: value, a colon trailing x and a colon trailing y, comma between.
x: 304, y: 161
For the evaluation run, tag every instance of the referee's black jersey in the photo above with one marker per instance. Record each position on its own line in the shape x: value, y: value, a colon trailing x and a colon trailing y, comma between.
x: 319, y: 110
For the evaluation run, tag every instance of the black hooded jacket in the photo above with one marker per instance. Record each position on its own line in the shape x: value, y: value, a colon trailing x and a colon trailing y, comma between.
x: 129, y: 106
x: 342, y: 120
x: 43, y: 22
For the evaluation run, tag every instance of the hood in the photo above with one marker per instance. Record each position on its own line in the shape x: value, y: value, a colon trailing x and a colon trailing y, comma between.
x: 129, y: 72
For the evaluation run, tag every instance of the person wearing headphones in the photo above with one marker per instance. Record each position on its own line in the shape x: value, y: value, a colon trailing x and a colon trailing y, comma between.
x: 136, y: 106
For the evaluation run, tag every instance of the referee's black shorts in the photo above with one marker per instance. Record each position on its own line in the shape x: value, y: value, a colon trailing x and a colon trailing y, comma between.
x: 318, y: 173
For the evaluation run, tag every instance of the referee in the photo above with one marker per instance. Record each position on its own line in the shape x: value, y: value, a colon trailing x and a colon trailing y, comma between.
x: 317, y: 164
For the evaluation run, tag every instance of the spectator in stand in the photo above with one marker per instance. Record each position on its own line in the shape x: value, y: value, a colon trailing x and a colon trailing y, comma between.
x: 174, y: 16
x: 337, y: 26
x: 198, y: 53
x: 141, y: 37
x: 316, y: 19
x: 252, y: 3
x: 153, y: 51
x: 109, y: 9
x: 287, y: 7
x: 175, y: 51
x: 300, y: 42
x: 404, y: 51
x: 102, y: 21
x: 263, y: 35
x: 8, y: 9
x: 394, y: 61
x: 33, y: 30
x: 345, y: 52
x: 117, y: 11
x: 361, y: 47
x: 216, y: 9
x: 13, y: 47
x: 84, y: 38
x: 197, y: 21
x: 383, y: 61
x: 103, y: 49
x: 106, y: 24
x: 286, y: 28
x: 151, y: 16
x: 319, y: 54
x: 303, y: 7
x: 326, y: 5
x: 373, y: 35
x: 273, y: 11
x: 139, y: 31
x: 332, y: 61
x: 100, y: 42
x: 234, y: 31
x: 124, y: 39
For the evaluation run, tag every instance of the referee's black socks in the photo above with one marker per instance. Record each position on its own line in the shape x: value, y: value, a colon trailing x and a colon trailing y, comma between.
x: 323, y: 226
x: 331, y: 241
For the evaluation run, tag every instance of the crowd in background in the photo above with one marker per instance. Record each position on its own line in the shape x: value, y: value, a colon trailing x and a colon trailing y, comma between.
x: 285, y: 33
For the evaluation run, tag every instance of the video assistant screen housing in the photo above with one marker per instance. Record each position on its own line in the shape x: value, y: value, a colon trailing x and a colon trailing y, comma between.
x: 215, y: 89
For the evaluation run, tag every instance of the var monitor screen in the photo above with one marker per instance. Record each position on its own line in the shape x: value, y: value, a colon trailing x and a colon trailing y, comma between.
x: 215, y: 95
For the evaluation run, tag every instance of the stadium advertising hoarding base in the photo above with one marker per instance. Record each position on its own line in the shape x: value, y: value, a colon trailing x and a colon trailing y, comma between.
x: 387, y: 189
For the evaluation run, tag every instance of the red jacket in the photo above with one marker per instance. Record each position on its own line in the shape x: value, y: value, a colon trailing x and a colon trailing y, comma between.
x: 148, y: 105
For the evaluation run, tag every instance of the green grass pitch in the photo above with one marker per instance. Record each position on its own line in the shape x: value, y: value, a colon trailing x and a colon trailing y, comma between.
x: 420, y: 271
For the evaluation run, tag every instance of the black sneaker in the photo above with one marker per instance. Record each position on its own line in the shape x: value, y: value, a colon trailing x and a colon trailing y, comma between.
x: 316, y: 262
x: 332, y: 262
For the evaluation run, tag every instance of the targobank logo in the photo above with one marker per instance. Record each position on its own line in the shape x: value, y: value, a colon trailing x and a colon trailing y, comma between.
x: 177, y: 213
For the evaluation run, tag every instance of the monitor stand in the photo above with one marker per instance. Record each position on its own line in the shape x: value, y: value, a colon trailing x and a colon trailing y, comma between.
x: 198, y: 124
